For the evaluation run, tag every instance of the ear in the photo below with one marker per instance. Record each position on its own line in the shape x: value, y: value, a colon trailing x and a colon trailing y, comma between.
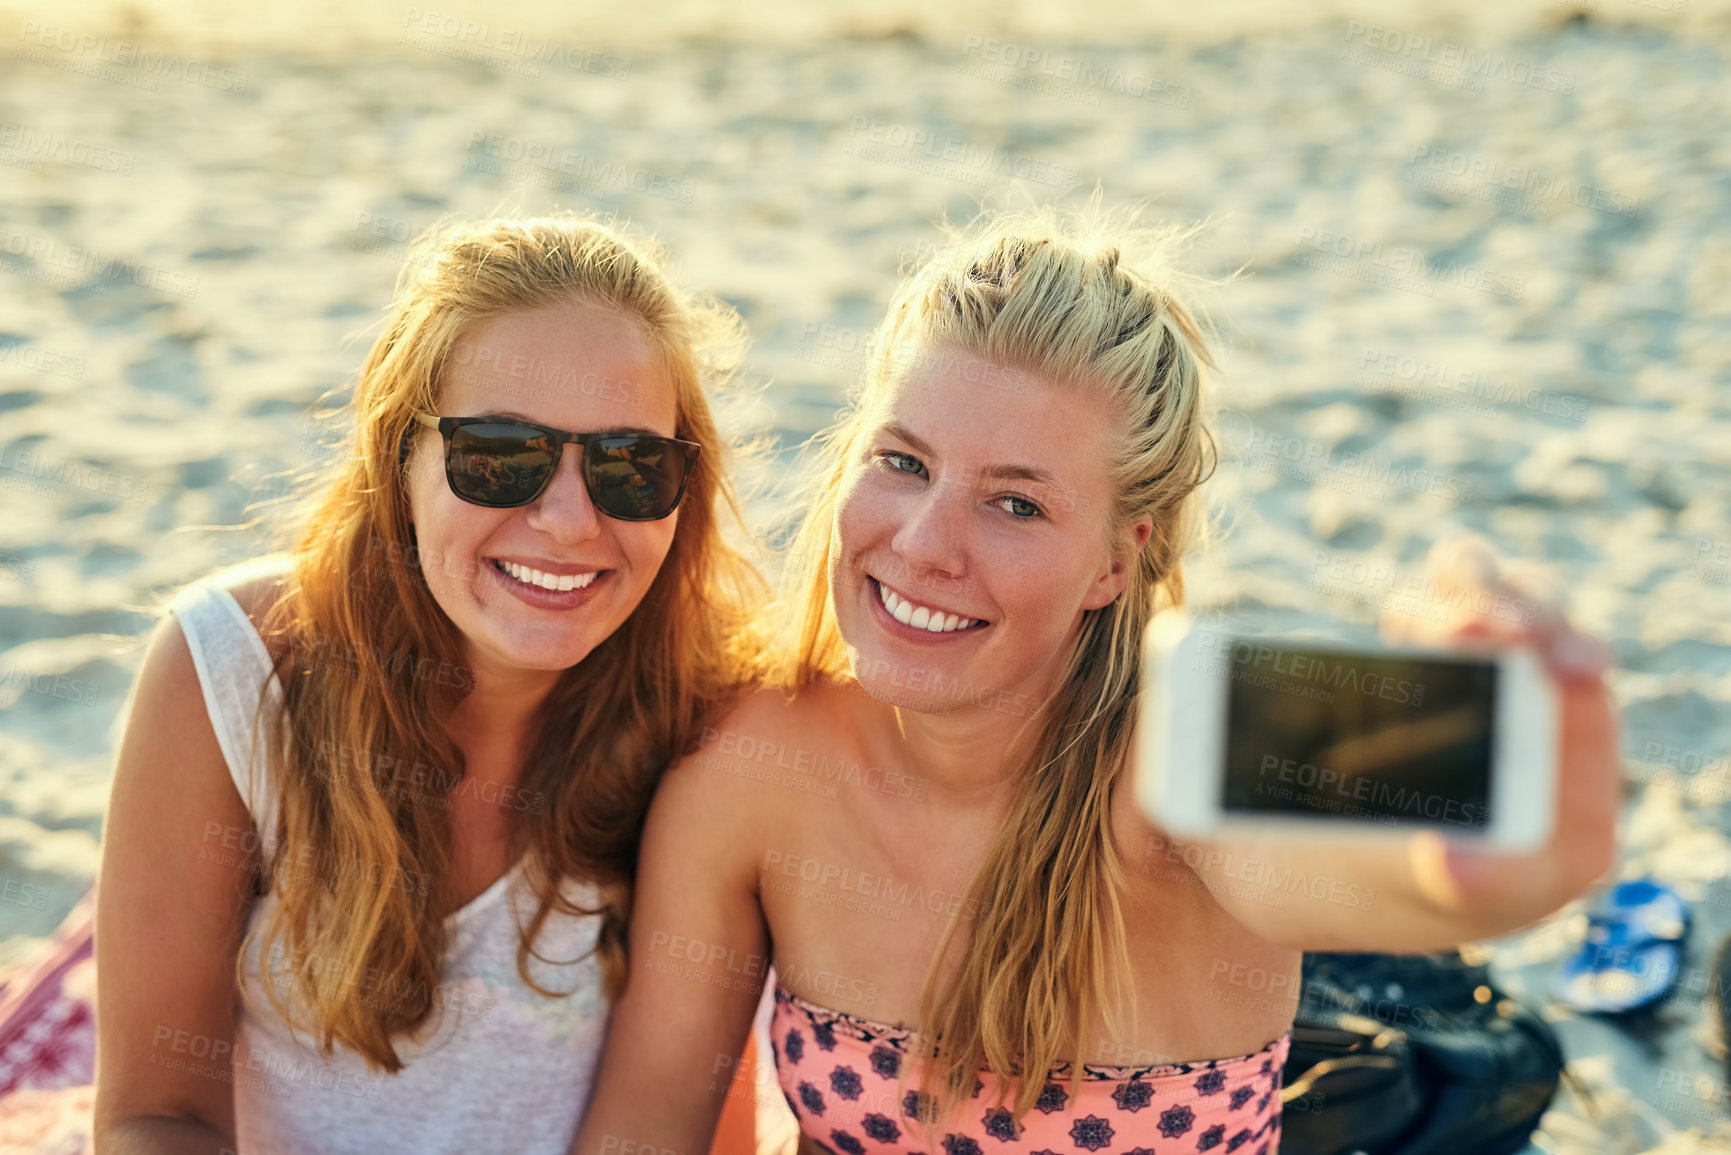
x: 405, y: 452
x: 403, y: 479
x: 1109, y: 582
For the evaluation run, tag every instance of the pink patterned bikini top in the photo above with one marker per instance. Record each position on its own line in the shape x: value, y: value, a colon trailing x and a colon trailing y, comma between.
x: 838, y: 1073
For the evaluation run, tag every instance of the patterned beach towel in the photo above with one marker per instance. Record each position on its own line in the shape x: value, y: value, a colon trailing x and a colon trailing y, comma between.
x: 48, y: 1043
x: 48, y: 1054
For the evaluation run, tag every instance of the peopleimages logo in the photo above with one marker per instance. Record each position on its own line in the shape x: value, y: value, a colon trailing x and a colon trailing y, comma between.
x: 1435, y: 377
x: 1072, y: 77
x: 79, y: 265
x: 1300, y: 459
x: 1398, y: 259
x: 137, y: 58
x: 922, y: 150
x: 23, y: 461
x: 1261, y: 660
x: 61, y: 149
x: 1379, y: 797
x: 1331, y: 572
x: 547, y: 165
x: 1470, y: 62
x: 1488, y: 178
x: 42, y: 360
x: 462, y: 35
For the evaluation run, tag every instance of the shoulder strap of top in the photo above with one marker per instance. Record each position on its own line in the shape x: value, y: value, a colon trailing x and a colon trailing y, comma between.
x: 233, y: 664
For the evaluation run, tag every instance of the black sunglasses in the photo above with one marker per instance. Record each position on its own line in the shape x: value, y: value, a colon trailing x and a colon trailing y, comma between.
x: 501, y: 463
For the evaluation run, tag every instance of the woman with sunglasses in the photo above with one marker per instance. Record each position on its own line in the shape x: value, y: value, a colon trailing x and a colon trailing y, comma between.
x: 366, y: 866
x: 978, y: 942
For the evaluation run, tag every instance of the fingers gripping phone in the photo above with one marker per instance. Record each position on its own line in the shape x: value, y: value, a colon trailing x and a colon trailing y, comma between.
x: 1289, y: 736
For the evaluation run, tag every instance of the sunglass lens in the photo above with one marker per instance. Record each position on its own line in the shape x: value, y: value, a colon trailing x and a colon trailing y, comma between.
x: 499, y: 464
x: 636, y: 478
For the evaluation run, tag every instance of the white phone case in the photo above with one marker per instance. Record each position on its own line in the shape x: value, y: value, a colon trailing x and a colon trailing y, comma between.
x: 1182, y: 731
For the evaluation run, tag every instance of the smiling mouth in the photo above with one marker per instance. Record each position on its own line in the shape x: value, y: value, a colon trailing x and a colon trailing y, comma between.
x: 556, y: 583
x: 911, y: 613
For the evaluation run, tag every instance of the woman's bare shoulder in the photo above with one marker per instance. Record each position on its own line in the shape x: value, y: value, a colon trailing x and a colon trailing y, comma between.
x: 770, y: 715
x: 756, y: 755
x: 256, y: 587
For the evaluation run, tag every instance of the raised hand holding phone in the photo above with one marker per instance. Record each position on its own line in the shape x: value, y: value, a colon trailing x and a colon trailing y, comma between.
x: 1582, y: 847
x: 1467, y: 769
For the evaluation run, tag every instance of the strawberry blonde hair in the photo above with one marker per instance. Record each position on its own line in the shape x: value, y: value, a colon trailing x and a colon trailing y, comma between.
x: 603, y: 735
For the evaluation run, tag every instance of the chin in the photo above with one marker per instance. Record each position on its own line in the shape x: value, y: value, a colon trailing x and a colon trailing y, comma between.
x: 903, y: 699
x: 930, y: 689
x: 533, y: 650
x: 906, y: 685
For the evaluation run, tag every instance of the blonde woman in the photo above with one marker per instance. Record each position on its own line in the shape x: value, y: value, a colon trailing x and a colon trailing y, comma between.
x: 366, y: 866
x: 1000, y: 957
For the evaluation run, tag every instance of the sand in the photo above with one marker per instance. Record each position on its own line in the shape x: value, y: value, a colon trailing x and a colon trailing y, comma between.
x: 1491, y: 297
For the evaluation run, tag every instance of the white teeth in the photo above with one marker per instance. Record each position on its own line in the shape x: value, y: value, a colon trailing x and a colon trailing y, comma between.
x: 920, y: 617
x: 547, y: 581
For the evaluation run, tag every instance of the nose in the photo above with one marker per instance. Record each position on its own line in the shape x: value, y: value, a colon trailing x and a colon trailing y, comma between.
x: 932, y: 542
x: 564, y: 511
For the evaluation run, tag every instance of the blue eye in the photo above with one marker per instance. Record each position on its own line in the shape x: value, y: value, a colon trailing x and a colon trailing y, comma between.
x: 1020, y: 507
x: 902, y: 463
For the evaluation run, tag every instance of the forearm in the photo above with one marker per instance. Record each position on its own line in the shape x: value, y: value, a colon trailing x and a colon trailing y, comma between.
x: 161, y: 1135
x: 1406, y: 896
x: 679, y: 1114
x: 661, y: 1089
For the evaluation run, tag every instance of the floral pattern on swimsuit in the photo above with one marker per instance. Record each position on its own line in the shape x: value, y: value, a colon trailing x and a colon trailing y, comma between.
x: 838, y: 1074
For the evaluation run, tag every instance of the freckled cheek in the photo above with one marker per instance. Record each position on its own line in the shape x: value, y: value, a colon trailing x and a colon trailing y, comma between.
x: 433, y: 508
x: 863, y: 515
x: 1033, y: 587
x: 424, y: 478
x: 449, y: 532
x: 645, y: 547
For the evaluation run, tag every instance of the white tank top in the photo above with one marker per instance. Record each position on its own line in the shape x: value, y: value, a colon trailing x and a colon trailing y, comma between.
x: 506, y: 1069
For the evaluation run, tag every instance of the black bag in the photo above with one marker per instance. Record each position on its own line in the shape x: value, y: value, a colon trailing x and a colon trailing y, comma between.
x: 1413, y: 1055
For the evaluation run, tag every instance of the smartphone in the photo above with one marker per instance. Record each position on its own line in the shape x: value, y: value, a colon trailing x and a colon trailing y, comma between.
x: 1288, y: 736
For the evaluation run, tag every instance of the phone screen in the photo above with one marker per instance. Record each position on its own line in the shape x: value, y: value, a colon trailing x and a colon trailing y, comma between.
x: 1340, y: 734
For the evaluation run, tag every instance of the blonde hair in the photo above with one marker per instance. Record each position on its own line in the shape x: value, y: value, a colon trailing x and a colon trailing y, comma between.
x: 359, y: 627
x: 1050, y: 295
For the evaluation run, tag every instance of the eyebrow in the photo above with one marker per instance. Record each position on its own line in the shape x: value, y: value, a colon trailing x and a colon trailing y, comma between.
x: 996, y: 472
x: 514, y: 416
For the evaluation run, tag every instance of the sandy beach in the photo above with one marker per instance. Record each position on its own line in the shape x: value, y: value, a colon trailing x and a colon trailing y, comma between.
x: 1483, y: 282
